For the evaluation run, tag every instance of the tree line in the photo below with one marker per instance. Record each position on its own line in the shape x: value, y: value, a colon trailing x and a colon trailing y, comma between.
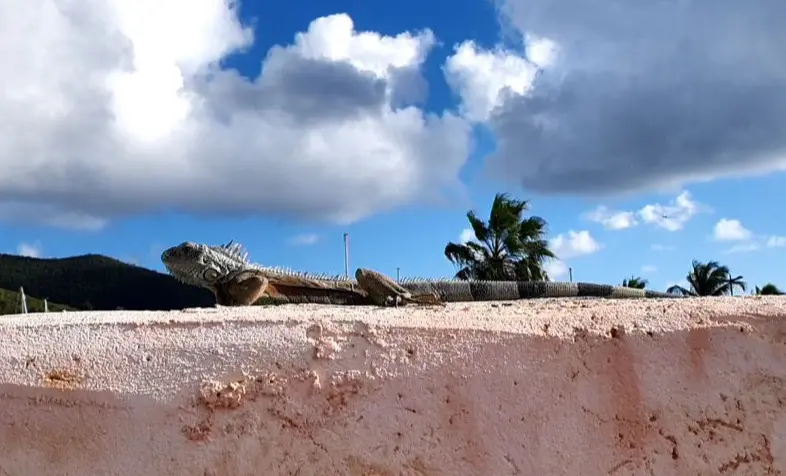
x: 93, y: 282
x: 510, y: 246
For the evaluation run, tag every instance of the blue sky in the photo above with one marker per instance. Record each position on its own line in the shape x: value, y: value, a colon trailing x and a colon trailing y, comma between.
x: 388, y: 121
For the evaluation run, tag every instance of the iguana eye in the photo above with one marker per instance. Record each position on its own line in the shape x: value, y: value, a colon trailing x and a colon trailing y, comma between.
x: 210, y: 275
x: 188, y: 249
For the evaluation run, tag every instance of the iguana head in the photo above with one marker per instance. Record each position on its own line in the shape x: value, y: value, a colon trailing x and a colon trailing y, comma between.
x: 204, y: 265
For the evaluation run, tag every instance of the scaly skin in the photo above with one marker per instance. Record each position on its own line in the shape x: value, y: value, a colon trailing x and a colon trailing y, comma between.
x: 244, y: 290
x: 383, y: 291
x: 226, y: 271
x: 248, y: 287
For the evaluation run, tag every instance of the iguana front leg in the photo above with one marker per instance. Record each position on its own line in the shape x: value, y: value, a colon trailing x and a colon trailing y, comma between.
x: 384, y: 291
x: 242, y: 290
x: 249, y: 286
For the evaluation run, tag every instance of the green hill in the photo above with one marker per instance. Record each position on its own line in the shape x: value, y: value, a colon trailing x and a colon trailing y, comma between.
x: 10, y: 304
x: 98, y: 282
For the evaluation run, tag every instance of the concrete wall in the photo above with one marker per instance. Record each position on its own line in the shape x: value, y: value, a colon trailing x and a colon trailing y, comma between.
x: 553, y: 387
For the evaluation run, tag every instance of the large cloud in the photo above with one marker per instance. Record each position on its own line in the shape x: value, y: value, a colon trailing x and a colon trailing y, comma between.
x: 119, y: 107
x: 642, y: 95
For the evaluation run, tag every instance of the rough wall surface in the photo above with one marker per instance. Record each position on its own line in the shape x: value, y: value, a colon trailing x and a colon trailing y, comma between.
x: 546, y: 387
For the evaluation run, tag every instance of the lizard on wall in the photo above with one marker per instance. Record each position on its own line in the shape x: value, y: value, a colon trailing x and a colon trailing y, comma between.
x: 226, y: 271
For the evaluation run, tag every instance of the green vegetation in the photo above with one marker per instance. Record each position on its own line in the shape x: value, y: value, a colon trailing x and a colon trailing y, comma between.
x: 709, y: 279
x: 508, y: 247
x: 768, y: 289
x: 10, y: 303
x: 634, y: 282
x: 97, y: 282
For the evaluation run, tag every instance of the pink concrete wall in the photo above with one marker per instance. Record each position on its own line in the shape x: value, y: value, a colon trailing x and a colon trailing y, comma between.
x: 556, y: 387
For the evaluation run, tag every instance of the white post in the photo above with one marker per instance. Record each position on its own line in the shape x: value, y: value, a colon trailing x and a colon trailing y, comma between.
x: 23, y: 299
x: 346, y: 254
x: 46, y: 305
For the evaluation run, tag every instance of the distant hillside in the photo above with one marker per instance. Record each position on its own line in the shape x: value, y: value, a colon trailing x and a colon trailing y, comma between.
x: 10, y: 304
x: 98, y: 282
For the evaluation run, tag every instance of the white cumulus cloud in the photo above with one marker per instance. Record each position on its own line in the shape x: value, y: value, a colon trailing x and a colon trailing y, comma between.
x: 122, y: 107
x: 612, y: 219
x: 641, y: 95
x: 32, y: 250
x: 671, y: 217
x: 731, y: 230
x: 556, y: 269
x: 574, y: 243
x: 743, y: 239
x: 482, y: 78
x: 467, y: 234
x: 569, y: 245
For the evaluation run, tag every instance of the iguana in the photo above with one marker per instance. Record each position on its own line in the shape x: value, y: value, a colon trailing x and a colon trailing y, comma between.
x: 226, y: 271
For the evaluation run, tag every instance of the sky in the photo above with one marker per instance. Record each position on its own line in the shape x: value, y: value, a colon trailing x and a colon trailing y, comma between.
x: 647, y: 134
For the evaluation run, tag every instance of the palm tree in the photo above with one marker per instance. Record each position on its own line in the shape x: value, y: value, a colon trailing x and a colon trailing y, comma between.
x: 768, y: 289
x: 709, y: 279
x: 508, y: 247
x: 634, y: 282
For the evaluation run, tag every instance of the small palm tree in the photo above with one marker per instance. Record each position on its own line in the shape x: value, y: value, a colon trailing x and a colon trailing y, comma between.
x: 508, y: 247
x: 768, y: 289
x: 634, y: 282
x: 709, y: 279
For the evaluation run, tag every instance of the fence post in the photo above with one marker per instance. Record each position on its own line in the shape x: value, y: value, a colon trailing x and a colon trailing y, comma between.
x: 23, y: 299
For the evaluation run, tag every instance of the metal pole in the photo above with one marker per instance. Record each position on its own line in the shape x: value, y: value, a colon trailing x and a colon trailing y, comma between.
x: 398, y: 275
x: 23, y: 299
x: 346, y: 254
x: 570, y: 274
x: 46, y: 305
